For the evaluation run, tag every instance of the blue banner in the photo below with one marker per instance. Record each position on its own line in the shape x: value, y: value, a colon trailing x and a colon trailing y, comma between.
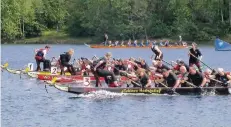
x: 222, y: 45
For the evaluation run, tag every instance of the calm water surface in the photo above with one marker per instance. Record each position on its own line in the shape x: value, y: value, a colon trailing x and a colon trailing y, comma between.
x: 25, y: 102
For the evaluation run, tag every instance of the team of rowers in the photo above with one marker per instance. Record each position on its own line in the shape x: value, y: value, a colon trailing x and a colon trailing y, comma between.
x: 139, y: 72
x: 142, y: 43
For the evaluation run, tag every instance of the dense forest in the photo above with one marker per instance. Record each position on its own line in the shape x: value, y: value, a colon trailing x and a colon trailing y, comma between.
x: 120, y: 19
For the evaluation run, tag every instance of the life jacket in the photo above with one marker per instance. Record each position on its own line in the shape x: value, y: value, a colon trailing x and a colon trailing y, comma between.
x: 176, y: 67
x: 39, y: 55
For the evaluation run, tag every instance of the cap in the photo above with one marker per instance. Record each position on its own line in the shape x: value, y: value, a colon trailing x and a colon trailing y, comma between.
x: 220, y: 69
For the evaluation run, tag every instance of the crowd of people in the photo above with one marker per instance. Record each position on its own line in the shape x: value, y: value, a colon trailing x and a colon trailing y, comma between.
x: 142, y: 43
x: 174, y: 74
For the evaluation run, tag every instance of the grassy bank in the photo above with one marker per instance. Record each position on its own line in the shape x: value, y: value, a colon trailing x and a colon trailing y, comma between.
x: 53, y: 37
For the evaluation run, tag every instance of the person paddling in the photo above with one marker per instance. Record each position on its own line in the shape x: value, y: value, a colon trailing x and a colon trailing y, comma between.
x: 101, y: 72
x: 160, y: 66
x: 195, y: 56
x: 223, y: 77
x: 40, y: 55
x: 64, y: 62
x: 196, y: 77
x: 171, y: 79
x: 159, y: 55
x: 142, y: 79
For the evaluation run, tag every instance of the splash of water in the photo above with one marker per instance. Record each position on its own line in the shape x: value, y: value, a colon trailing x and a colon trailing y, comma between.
x: 101, y: 94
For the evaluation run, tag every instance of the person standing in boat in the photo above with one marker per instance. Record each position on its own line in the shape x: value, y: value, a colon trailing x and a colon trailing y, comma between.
x: 64, y: 62
x: 101, y: 72
x: 159, y: 55
x: 195, y: 56
x: 40, y: 55
x: 105, y: 39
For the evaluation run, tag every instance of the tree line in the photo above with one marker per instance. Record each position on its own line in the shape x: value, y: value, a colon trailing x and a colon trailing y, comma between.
x: 120, y: 19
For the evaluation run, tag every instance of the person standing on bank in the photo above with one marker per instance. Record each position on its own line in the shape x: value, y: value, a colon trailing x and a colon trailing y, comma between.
x: 195, y: 56
x: 105, y: 39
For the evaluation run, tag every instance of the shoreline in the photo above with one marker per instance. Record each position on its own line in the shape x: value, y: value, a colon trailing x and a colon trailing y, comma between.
x: 89, y: 40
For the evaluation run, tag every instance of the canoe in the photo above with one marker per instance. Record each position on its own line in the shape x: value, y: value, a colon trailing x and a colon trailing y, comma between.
x: 44, y: 74
x: 156, y: 90
x: 139, y: 47
x: 33, y: 74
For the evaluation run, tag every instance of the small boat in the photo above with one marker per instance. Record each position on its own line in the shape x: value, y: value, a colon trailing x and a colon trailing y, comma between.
x: 156, y: 90
x: 139, y: 47
x: 33, y: 74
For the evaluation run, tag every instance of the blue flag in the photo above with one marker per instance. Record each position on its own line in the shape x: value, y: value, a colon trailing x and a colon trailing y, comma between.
x: 222, y: 45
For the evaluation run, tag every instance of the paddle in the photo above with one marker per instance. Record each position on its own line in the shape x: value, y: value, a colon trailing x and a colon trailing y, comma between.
x: 218, y: 81
x: 167, y: 63
x: 169, y: 88
x: 200, y: 61
x: 126, y: 75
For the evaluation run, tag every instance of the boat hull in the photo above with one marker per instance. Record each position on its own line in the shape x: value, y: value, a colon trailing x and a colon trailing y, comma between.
x: 156, y: 90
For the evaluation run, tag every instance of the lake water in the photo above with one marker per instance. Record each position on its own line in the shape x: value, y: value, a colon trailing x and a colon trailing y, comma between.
x: 25, y: 102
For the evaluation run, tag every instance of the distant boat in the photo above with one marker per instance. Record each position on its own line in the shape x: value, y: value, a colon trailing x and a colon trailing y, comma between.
x: 222, y: 45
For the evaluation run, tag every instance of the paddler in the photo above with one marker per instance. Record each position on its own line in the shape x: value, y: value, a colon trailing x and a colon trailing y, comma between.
x: 40, y: 55
x: 196, y: 77
x: 195, y: 56
x: 223, y: 77
x: 159, y: 55
x: 64, y: 62
x: 160, y: 66
x: 142, y: 63
x: 142, y: 79
x: 171, y: 79
x: 183, y: 74
x: 101, y: 72
x: 180, y: 63
x: 119, y: 67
